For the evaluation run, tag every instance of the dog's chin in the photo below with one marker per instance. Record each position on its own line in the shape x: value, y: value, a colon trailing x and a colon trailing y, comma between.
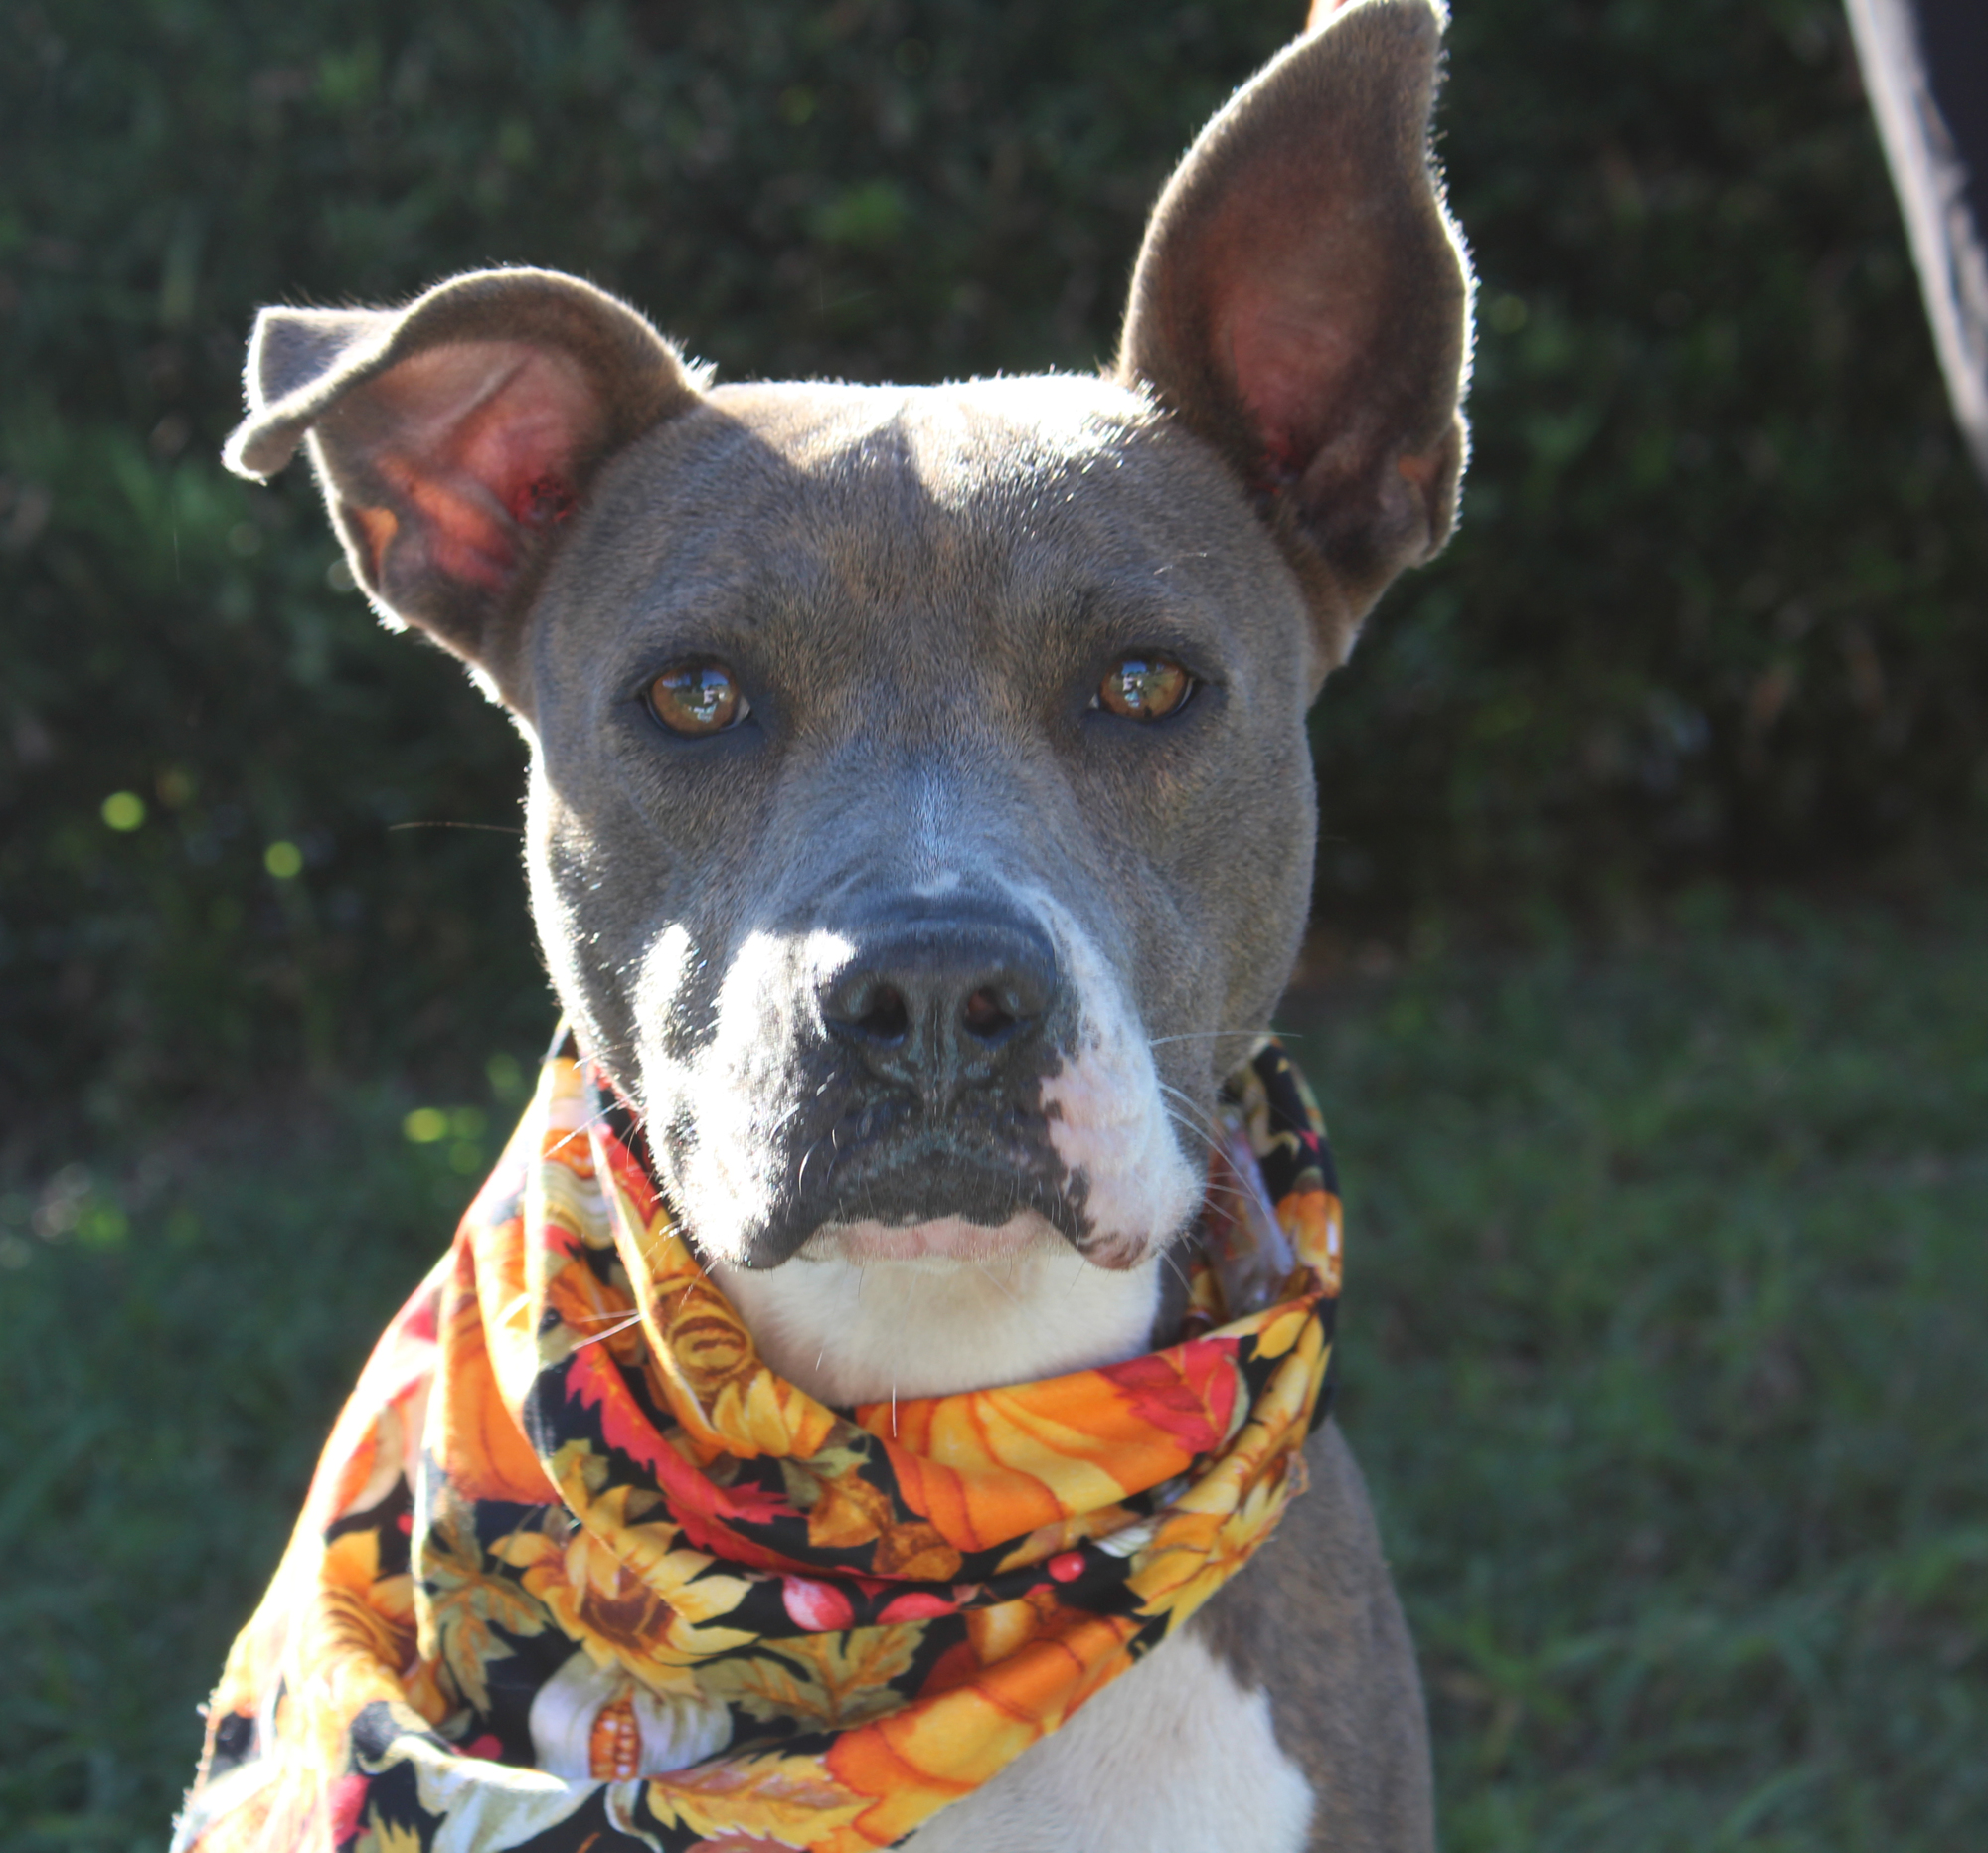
x: 867, y: 1311
x: 942, y: 1242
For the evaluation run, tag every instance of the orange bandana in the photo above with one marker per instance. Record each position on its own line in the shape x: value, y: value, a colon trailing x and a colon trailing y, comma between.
x: 579, y: 1572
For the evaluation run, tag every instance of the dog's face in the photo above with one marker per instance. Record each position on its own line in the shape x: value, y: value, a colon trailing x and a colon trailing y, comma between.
x: 915, y: 822
x: 920, y: 817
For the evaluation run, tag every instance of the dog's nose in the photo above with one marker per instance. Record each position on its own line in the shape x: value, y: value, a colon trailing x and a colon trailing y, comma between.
x: 936, y: 1005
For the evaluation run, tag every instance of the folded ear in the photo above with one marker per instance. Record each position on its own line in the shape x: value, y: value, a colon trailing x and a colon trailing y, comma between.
x: 1303, y: 301
x: 454, y: 437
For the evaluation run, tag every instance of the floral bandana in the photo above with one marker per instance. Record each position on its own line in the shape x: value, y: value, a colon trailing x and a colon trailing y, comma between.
x: 580, y: 1574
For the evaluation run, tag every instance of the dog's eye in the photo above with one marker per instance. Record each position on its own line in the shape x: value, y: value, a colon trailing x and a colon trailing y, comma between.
x: 697, y: 698
x: 1144, y: 688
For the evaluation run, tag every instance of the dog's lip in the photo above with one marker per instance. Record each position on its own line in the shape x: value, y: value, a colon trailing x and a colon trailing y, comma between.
x: 943, y: 1239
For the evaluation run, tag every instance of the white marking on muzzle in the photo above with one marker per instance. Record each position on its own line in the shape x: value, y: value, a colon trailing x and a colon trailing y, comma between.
x: 740, y: 1082
x: 1108, y: 1118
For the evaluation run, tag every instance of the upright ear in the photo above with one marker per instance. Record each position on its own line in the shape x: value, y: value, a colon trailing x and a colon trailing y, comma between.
x: 452, y: 438
x: 1303, y: 301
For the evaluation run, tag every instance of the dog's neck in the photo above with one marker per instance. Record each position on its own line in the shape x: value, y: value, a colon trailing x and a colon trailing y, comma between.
x: 850, y: 1327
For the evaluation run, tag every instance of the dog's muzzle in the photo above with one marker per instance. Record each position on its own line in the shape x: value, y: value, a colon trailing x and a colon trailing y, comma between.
x: 920, y: 1098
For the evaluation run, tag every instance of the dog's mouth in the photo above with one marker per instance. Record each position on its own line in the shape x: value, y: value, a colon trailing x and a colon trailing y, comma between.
x: 944, y: 1241
x: 923, y: 1194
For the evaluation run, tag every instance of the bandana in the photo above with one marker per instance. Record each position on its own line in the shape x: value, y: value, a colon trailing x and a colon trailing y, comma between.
x: 578, y: 1573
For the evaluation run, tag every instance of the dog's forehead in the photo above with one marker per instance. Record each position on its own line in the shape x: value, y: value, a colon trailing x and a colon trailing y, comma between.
x: 987, y: 496
x: 995, y: 465
x: 959, y: 442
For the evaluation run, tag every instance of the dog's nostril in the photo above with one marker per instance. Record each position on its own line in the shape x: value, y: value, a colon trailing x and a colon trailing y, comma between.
x: 987, y: 1012
x: 935, y: 1003
x: 886, y: 1016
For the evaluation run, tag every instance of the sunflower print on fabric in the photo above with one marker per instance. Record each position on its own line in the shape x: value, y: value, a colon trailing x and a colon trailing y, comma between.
x: 578, y: 1571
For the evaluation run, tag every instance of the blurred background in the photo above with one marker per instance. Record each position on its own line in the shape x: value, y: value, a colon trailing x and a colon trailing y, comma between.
x: 1647, y: 994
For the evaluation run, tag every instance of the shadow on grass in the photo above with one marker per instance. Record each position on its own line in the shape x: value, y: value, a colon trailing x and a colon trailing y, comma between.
x: 1663, y: 1355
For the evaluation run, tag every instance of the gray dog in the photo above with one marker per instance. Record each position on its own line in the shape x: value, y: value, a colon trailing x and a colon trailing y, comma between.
x: 921, y: 821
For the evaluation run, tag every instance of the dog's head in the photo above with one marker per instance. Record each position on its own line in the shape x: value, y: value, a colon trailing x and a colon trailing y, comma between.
x: 921, y: 814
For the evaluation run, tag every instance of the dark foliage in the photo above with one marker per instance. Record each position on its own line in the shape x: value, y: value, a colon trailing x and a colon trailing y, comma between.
x: 1716, y: 607
x: 1720, y: 602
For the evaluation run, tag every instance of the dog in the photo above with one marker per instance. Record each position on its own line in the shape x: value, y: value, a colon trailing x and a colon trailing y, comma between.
x: 921, y: 818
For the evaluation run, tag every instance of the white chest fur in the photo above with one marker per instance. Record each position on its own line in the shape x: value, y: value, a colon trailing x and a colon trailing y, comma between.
x: 1173, y: 1757
x: 867, y: 1331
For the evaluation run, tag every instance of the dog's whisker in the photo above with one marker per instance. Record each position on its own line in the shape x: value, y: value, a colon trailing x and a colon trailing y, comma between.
x: 1154, y: 1041
x: 1201, y: 1115
x: 497, y: 829
x: 1212, y: 1187
x: 1198, y: 1132
x: 613, y: 1331
x: 1212, y: 1147
x: 583, y: 1128
x: 783, y: 1118
x: 994, y: 1281
x: 1195, y: 1133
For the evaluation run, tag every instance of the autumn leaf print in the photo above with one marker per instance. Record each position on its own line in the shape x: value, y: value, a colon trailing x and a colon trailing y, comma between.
x: 823, y: 1682
x: 464, y: 1603
x: 792, y: 1800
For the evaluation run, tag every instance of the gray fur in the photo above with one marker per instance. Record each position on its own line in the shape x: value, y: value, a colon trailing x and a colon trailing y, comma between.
x: 918, y: 589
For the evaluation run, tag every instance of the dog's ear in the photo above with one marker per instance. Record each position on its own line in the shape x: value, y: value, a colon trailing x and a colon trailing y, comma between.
x: 454, y: 437
x: 1303, y: 301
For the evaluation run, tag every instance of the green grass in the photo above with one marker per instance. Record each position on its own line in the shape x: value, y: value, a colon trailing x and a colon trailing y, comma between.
x: 172, y: 1361
x: 1664, y: 1355
x: 1667, y: 1299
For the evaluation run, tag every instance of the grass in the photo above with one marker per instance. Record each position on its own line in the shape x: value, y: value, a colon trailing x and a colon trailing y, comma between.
x: 1667, y: 1285
x: 1664, y: 1355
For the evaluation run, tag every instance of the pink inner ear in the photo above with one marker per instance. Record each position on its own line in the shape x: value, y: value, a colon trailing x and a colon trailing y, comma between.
x: 1287, y: 372
x: 480, y: 440
x: 1290, y: 321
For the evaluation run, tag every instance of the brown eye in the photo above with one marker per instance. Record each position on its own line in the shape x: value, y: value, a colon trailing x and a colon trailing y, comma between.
x: 697, y: 698
x: 1144, y: 688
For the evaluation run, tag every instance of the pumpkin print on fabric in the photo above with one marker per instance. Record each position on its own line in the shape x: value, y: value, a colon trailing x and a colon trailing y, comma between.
x: 578, y: 1571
